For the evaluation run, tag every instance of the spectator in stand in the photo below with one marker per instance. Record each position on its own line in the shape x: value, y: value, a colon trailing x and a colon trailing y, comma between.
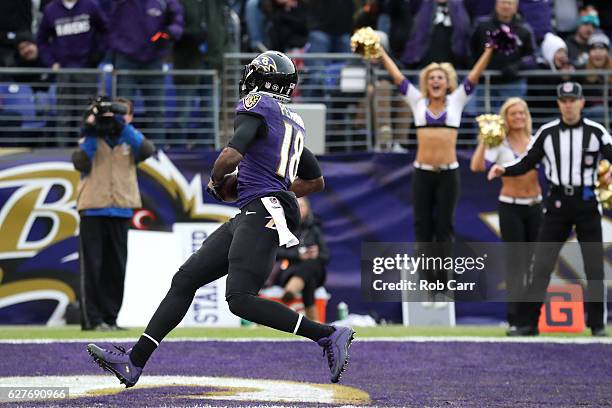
x: 479, y: 8
x: 441, y: 33
x: 508, y: 84
x: 543, y: 89
x: 538, y: 14
x: 593, y: 85
x: 554, y: 51
x: 72, y: 34
x: 15, y: 26
x: 256, y: 26
x: 604, y: 10
x: 395, y: 20
x: 566, y: 17
x: 578, y: 44
x: 303, y: 266
x: 288, y: 30
x: 330, y: 23
x: 19, y: 50
x: 205, y: 37
x: 140, y: 38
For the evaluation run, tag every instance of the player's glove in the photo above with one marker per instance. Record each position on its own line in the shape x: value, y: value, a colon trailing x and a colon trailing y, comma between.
x: 212, y: 190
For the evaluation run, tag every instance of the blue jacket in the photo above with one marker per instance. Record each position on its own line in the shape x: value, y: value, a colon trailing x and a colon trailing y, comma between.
x: 129, y: 136
x: 135, y: 22
x: 418, y: 42
x: 74, y: 38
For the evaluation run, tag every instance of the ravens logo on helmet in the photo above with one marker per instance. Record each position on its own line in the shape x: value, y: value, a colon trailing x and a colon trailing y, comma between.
x: 271, y: 73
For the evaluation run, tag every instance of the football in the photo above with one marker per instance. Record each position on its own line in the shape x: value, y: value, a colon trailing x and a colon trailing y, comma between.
x: 229, y: 188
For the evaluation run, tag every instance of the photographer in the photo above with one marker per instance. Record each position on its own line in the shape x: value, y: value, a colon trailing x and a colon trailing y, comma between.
x: 107, y: 157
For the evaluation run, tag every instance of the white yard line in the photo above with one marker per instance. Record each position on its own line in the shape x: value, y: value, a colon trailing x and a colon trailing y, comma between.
x: 409, y: 339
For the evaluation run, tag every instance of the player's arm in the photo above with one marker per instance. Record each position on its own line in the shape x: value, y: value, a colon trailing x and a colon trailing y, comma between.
x: 246, y: 129
x: 309, y: 178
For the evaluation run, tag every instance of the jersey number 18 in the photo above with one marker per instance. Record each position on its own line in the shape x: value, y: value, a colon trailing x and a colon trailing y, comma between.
x: 288, y: 165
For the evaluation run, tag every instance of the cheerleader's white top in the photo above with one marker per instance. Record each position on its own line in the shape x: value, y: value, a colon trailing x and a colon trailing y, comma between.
x: 450, y: 117
x: 501, y: 154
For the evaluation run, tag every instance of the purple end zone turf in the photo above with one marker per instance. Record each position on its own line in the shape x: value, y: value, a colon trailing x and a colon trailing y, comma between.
x: 406, y: 374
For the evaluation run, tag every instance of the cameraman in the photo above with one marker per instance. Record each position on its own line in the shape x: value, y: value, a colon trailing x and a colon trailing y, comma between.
x: 107, y: 157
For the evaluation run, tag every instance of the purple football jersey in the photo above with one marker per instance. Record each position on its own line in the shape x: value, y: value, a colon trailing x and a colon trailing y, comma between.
x: 270, y: 164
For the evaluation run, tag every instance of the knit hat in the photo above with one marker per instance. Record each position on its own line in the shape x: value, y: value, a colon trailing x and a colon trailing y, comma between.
x: 591, y: 19
x: 550, y: 45
x: 599, y: 39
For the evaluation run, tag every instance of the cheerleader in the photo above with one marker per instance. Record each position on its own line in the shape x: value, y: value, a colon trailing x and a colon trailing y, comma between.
x: 436, y: 106
x: 520, y: 197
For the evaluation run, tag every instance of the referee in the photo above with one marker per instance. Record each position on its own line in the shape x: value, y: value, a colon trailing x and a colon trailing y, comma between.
x: 569, y: 148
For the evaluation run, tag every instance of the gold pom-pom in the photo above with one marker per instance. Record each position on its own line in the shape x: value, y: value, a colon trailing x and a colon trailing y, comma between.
x: 603, y: 189
x: 366, y: 43
x: 492, y: 130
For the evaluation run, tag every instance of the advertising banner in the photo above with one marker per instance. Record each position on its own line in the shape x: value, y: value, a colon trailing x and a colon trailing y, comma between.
x: 367, y: 199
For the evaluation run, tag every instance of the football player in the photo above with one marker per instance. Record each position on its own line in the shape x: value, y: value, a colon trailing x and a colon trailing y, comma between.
x: 274, y: 167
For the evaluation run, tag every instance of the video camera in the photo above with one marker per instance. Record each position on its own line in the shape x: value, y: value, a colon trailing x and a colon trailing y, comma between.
x: 104, y: 111
x: 102, y: 106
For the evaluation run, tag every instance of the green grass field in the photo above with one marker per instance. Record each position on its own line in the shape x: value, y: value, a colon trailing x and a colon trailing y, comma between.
x: 74, y: 332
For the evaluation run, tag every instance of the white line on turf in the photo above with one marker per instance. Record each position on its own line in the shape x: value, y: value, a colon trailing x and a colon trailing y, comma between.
x: 409, y: 339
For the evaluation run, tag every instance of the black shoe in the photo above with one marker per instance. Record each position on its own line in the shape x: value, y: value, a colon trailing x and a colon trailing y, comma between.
x: 102, y: 327
x: 114, y: 327
x: 97, y: 327
x: 599, y: 332
x: 518, y: 331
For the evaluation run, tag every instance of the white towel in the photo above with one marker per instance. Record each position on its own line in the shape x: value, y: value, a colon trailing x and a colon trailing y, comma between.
x: 275, y: 209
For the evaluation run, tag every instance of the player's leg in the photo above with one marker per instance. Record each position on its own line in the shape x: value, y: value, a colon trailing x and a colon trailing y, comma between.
x: 251, y: 256
x: 206, y: 265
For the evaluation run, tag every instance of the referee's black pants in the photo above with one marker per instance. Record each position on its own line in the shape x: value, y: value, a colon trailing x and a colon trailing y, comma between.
x: 103, y: 256
x: 562, y: 213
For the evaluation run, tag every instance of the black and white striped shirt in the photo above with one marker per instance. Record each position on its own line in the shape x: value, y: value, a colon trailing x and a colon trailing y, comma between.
x: 570, y: 153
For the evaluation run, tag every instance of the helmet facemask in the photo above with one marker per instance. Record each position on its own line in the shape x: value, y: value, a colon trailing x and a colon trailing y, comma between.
x: 271, y: 73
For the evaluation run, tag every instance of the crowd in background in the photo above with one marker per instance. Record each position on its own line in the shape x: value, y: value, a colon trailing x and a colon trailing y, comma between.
x: 560, y: 35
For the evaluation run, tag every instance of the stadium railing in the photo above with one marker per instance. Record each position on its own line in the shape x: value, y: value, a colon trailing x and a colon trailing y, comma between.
x: 339, y: 81
x: 41, y: 107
